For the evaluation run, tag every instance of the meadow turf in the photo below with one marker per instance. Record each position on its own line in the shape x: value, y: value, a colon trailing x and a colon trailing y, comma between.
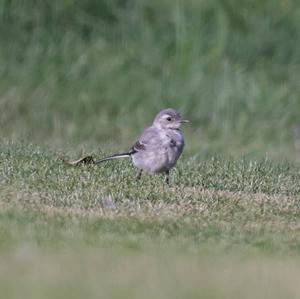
x: 84, y: 77
x: 224, y: 228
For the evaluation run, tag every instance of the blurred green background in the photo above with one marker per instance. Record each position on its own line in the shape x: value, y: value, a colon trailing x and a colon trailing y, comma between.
x: 88, y: 75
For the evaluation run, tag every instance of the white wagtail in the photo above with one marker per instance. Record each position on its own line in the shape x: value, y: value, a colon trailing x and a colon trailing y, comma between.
x: 158, y: 148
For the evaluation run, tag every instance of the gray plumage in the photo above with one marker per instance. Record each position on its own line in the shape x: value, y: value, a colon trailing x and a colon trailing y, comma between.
x: 158, y: 148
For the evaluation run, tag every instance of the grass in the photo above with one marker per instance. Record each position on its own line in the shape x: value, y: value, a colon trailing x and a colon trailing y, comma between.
x: 224, y: 228
x: 84, y: 77
x: 74, y: 73
x: 134, y: 275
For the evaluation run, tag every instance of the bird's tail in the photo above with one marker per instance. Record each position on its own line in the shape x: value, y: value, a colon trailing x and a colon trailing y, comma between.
x: 115, y: 156
x: 90, y: 160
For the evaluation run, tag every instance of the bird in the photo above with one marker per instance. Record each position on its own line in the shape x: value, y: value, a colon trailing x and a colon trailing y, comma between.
x: 157, y: 149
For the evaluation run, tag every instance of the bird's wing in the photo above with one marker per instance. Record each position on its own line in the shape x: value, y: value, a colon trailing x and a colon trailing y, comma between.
x: 148, y: 139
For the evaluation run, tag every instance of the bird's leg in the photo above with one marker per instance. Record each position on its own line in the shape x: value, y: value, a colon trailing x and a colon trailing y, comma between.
x: 167, y: 177
x: 139, y: 175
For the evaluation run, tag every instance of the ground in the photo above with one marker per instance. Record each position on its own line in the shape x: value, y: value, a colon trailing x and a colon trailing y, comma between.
x: 224, y: 228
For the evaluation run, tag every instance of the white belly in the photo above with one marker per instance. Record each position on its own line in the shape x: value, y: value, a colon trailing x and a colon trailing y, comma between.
x: 163, y: 156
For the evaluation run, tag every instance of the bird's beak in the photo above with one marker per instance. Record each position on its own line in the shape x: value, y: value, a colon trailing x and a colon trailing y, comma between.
x: 184, y: 121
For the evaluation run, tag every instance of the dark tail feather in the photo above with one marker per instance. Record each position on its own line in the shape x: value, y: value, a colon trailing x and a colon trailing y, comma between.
x: 115, y: 156
x: 83, y: 160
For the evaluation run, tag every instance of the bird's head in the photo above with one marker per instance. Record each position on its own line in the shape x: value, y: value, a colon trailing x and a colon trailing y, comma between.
x: 168, y: 119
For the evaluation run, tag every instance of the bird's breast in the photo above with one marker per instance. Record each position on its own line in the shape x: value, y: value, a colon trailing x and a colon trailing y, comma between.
x: 174, y: 145
x: 174, y: 139
x: 162, y: 154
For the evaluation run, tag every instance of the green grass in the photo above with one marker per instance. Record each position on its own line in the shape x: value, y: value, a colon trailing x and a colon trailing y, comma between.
x: 85, y: 77
x: 91, y: 73
x: 224, y: 228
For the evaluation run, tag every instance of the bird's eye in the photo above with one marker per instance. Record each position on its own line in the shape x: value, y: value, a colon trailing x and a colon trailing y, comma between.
x: 169, y: 118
